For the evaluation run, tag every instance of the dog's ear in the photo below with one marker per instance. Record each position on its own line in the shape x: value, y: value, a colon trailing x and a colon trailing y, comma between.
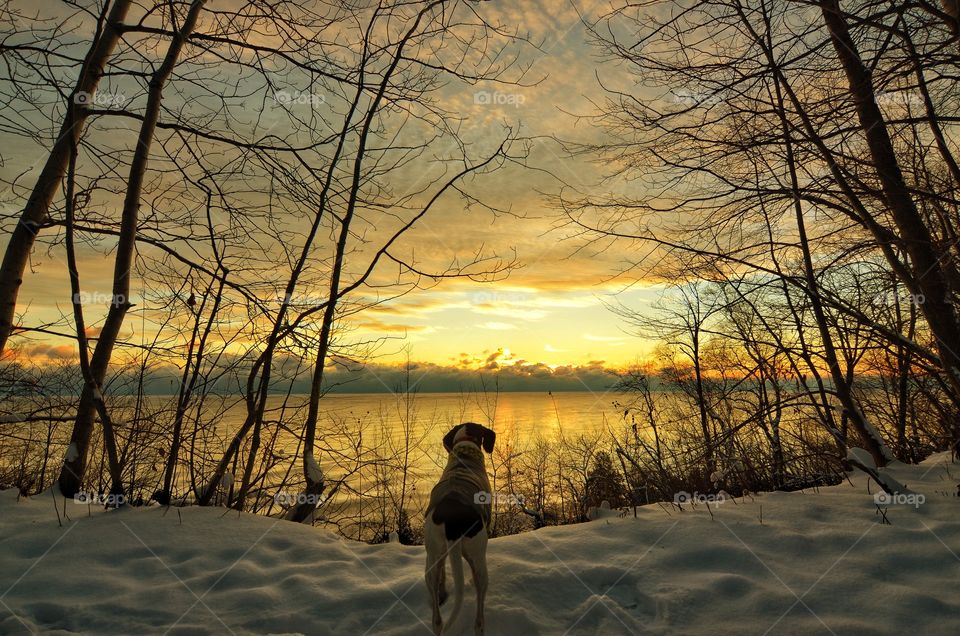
x: 489, y: 437
x: 448, y: 438
x: 481, y: 433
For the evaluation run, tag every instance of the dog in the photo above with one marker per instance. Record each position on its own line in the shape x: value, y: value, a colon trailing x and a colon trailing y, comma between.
x: 457, y: 519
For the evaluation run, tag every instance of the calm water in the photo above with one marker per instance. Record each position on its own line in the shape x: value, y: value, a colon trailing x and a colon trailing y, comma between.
x: 524, y: 414
x: 521, y: 414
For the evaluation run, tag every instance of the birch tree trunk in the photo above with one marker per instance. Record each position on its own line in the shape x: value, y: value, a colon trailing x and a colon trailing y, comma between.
x: 38, y: 204
x: 74, y: 467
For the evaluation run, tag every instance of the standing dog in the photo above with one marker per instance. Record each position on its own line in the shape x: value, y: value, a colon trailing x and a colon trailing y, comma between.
x: 456, y: 521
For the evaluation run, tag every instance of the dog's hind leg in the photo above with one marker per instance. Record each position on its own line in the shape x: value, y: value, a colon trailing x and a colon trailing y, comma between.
x: 434, y: 576
x: 442, y: 591
x: 475, y: 552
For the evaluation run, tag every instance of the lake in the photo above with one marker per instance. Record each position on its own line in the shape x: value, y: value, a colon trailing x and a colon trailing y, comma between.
x: 522, y: 413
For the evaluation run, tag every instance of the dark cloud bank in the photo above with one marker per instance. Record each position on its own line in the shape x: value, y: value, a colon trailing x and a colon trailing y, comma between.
x: 345, y: 377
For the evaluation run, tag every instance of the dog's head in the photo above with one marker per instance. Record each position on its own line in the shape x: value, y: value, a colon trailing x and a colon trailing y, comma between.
x: 482, y: 436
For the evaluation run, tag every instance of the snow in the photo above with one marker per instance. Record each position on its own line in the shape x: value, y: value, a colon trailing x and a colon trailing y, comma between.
x: 889, y: 482
x: 602, y: 511
x: 861, y: 456
x: 314, y: 473
x: 810, y: 562
x: 884, y: 478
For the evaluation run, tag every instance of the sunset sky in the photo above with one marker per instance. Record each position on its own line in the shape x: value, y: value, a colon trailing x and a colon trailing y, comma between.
x: 552, y: 307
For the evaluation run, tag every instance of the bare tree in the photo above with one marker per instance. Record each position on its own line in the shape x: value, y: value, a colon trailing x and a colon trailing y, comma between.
x: 74, y: 467
x: 683, y: 323
x: 930, y: 275
x: 256, y: 241
x: 747, y: 138
x: 104, y: 42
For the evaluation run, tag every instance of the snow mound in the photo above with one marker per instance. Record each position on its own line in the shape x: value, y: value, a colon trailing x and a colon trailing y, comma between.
x: 810, y: 562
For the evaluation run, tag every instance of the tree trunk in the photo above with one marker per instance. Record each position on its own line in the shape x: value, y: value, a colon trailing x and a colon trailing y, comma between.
x: 702, y: 404
x: 35, y: 211
x: 314, y: 482
x: 191, y: 373
x: 930, y: 279
x: 868, y: 434
x: 74, y: 467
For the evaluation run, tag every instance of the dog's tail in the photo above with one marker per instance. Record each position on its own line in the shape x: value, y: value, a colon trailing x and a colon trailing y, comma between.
x: 455, y: 550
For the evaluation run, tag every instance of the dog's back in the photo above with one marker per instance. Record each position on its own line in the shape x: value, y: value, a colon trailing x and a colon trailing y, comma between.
x: 460, y: 502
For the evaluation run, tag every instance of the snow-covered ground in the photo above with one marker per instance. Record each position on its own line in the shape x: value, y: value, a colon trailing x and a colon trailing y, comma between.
x: 818, y: 563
